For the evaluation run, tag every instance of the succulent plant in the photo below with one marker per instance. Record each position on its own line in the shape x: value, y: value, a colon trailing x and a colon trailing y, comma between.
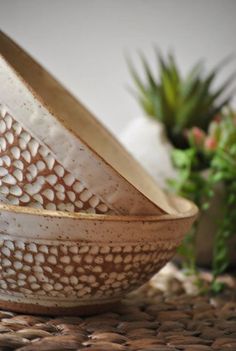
x: 214, y: 151
x: 180, y: 102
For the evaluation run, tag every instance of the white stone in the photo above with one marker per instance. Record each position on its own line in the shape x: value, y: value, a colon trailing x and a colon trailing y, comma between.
x: 65, y: 259
x: 52, y: 259
x: 16, y: 190
x: 47, y: 287
x: 43, y: 248
x: 59, y: 170
x: 32, y: 247
x: 102, y: 208
x: 51, y: 179
x: 22, y: 144
x: 10, y: 137
x: 69, y: 269
x: 2, y: 127
x: 33, y: 146
x: 51, y: 206
x: 4, y: 190
x: 6, y: 251
x: 8, y: 121
x: 9, y: 244
x: 15, y: 152
x: 38, y: 198
x: 13, y: 200
x: 78, y: 187
x: 17, y: 128
x: 18, y: 175
x: 3, y: 171
x: 3, y: 144
x: 6, y: 262
x: 26, y: 156
x: 25, y: 198
x: 49, y: 161
x: 25, y: 136
x: 69, y: 207
x: 94, y: 201
x: 9, y: 179
x: 49, y: 194
x: 85, y: 195
x: 6, y: 159
x: 60, y: 188
x: 71, y: 195
x: 79, y: 204
x: 33, y: 170
x: 40, y: 258
x: 18, y: 164
x: 58, y: 286
x: 69, y: 179
x: 43, y: 151
x: 28, y: 258
x: 40, y: 166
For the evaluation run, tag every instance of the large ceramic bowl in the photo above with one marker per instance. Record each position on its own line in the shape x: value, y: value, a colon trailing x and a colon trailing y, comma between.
x: 58, y: 262
x: 55, y: 155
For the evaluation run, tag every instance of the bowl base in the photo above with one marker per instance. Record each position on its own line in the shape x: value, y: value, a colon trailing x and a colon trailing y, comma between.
x: 82, y: 310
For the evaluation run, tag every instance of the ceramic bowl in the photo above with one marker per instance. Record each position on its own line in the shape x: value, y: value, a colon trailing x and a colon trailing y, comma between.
x: 55, y: 155
x: 74, y: 263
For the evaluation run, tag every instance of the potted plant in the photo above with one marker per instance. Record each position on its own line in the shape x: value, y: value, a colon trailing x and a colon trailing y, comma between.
x: 183, y: 113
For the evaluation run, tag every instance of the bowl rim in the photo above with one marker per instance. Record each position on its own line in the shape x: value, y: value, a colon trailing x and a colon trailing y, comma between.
x: 24, y: 210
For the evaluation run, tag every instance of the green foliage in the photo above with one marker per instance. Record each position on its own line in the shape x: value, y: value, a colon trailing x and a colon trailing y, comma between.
x: 180, y: 102
x: 217, y: 150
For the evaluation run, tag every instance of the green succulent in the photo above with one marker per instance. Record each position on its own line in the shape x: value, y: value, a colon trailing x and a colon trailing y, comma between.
x: 180, y: 102
x: 216, y: 150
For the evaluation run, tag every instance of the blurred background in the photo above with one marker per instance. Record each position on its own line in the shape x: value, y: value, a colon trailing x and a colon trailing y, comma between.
x: 84, y: 43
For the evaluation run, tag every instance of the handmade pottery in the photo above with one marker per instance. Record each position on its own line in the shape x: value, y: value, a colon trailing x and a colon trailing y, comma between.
x: 56, y: 155
x: 56, y: 262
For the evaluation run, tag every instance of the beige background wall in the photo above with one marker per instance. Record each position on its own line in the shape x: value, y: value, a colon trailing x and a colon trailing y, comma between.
x: 83, y: 42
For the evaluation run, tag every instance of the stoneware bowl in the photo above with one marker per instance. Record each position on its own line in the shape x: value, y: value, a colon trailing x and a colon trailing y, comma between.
x: 74, y: 263
x: 55, y: 155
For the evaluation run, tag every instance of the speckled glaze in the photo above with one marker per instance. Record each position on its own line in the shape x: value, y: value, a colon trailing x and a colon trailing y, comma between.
x: 59, y: 262
x: 45, y: 127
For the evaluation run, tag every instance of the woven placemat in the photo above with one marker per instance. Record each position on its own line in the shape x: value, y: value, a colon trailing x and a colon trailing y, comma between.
x: 148, y: 319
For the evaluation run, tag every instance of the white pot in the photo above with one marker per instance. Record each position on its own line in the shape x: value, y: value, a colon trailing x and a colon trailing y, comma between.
x: 146, y: 140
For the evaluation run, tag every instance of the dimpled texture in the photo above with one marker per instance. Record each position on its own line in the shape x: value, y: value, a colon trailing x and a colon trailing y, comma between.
x: 56, y: 270
x: 31, y: 176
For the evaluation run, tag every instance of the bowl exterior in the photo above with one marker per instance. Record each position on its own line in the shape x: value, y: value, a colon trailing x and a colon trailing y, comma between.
x: 31, y: 175
x: 66, y: 265
x: 46, y: 162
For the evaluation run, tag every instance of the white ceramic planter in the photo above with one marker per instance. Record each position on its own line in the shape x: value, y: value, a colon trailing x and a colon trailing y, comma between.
x: 146, y: 140
x: 63, y: 148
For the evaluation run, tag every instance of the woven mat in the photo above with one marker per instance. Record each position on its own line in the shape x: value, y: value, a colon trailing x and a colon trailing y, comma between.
x: 149, y: 319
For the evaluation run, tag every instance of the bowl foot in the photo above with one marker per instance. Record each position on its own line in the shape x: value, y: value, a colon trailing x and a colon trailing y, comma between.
x: 80, y: 310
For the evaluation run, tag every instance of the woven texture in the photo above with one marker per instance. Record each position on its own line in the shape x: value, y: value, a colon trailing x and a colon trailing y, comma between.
x: 148, y: 320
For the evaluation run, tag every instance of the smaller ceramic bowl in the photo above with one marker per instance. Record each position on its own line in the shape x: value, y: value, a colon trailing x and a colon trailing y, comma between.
x: 55, y: 155
x: 64, y: 263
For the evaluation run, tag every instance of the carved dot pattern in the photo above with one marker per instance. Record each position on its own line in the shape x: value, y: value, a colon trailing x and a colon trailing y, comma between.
x: 30, y: 175
x: 53, y: 269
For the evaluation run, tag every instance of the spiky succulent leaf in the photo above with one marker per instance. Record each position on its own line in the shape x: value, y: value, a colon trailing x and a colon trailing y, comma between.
x: 180, y: 103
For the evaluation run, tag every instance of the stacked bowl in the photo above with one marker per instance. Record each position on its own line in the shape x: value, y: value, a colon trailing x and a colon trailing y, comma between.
x: 81, y: 223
